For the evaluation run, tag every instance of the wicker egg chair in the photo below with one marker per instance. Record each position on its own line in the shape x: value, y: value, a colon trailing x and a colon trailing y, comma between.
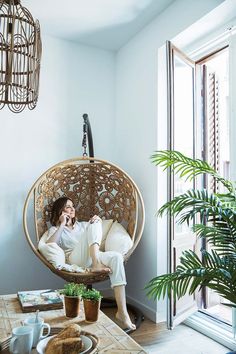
x: 96, y: 187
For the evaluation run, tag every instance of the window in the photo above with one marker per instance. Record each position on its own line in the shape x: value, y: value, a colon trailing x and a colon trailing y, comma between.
x: 198, y: 127
x: 214, y: 71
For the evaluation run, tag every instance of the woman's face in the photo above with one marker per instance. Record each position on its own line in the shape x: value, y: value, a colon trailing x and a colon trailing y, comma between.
x: 69, y: 209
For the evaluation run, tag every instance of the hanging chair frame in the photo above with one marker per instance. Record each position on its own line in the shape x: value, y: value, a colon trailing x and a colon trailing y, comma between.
x: 131, y: 215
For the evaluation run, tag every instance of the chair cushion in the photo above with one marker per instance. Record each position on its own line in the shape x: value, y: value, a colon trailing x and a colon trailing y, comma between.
x: 51, y: 251
x: 118, y: 239
x: 106, y: 225
x: 55, y: 255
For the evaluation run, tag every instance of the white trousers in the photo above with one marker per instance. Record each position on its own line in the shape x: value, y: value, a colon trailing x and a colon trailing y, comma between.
x: 114, y: 260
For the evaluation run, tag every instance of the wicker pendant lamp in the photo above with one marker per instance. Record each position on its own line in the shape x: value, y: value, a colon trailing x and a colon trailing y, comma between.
x: 20, y: 54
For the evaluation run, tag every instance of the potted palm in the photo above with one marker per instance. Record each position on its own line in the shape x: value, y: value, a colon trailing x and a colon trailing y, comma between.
x: 72, y: 295
x: 215, y: 269
x: 92, y: 301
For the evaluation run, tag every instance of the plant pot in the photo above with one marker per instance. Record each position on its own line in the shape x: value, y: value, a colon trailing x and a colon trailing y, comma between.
x: 72, y: 305
x: 91, y: 310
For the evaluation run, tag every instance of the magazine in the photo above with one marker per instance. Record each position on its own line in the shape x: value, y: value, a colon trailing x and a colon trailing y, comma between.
x: 42, y: 300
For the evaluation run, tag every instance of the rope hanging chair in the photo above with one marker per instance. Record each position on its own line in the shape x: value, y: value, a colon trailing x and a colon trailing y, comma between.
x: 97, y: 187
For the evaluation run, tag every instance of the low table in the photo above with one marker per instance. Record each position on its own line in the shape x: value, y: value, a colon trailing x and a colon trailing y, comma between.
x: 112, y: 338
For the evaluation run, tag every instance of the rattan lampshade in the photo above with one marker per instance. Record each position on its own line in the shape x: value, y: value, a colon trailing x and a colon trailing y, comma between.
x: 20, y: 54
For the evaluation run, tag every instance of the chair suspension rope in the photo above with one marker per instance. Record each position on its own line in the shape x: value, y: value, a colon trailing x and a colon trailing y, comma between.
x: 84, y: 141
x: 87, y: 137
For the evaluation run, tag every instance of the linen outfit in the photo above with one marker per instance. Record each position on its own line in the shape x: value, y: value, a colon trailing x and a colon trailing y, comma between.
x: 76, y: 242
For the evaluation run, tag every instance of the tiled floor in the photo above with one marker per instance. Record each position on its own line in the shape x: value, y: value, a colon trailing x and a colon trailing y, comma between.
x: 155, y: 338
x: 183, y: 340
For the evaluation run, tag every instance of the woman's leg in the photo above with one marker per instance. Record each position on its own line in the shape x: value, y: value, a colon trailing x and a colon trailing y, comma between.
x: 94, y: 234
x: 115, y: 262
x: 122, y: 313
x: 85, y: 253
x: 97, y: 266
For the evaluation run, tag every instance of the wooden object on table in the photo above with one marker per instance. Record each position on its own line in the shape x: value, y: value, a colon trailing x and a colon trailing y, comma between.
x: 112, y: 338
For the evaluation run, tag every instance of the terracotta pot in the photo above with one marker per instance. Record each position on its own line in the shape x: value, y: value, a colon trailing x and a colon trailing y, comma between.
x: 72, y: 305
x: 91, y: 310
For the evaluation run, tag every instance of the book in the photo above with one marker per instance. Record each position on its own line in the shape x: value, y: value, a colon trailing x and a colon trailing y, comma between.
x: 42, y: 300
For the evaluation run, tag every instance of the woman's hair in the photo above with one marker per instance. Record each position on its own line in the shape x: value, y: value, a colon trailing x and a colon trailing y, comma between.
x: 57, y: 209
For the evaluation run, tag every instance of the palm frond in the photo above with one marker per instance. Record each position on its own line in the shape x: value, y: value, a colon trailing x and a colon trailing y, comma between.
x: 222, y: 238
x: 192, y: 273
x: 217, y: 214
x: 198, y: 202
x: 194, y: 201
x: 187, y: 167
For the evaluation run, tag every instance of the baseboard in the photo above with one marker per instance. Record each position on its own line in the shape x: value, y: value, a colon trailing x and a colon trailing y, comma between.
x: 147, y: 311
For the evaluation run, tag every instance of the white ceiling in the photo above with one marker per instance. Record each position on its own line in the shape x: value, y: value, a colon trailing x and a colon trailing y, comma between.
x: 108, y: 24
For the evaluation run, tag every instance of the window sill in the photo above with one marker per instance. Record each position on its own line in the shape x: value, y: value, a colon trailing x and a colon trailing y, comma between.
x: 218, y: 331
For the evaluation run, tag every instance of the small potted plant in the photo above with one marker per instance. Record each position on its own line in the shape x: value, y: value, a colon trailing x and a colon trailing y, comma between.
x: 92, y: 300
x: 72, y: 295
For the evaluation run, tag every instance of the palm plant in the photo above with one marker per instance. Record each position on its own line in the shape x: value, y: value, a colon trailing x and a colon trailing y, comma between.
x: 215, y: 269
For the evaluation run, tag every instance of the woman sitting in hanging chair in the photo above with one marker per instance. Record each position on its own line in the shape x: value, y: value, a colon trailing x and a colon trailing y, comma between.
x: 80, y: 242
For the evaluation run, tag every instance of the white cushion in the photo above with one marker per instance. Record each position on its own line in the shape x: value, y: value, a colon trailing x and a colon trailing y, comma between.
x: 51, y: 251
x: 106, y: 225
x: 55, y: 254
x: 118, y: 239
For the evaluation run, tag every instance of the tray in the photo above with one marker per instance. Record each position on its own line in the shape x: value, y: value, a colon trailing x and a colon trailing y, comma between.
x: 4, y: 345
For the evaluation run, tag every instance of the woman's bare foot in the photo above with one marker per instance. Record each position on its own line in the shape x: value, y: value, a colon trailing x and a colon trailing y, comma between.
x: 126, y: 321
x: 100, y: 268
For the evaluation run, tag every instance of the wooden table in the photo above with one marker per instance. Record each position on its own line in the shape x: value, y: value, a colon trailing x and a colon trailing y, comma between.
x: 113, y: 339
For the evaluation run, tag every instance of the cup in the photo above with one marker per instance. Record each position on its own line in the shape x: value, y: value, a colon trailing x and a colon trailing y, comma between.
x: 22, y: 340
x: 37, y: 328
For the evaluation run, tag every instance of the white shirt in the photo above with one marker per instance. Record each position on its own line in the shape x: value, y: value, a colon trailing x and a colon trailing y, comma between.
x: 70, y: 237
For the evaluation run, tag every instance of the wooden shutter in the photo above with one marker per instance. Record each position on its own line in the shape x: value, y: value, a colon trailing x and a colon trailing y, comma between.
x: 212, y: 123
x: 210, y: 153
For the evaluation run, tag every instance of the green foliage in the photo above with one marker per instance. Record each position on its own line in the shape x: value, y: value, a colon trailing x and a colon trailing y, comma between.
x: 73, y: 289
x: 217, y: 215
x: 91, y: 294
x: 187, y: 167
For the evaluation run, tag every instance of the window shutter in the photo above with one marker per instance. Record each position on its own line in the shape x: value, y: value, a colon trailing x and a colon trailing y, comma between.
x: 213, y: 126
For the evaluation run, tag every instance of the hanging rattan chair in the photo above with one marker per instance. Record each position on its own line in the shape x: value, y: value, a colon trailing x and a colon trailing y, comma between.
x: 96, y: 187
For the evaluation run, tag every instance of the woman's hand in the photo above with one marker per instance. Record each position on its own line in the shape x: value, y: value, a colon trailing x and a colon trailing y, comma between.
x: 94, y: 219
x: 64, y: 218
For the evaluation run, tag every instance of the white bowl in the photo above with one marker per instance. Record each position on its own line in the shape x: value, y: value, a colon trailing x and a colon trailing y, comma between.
x: 86, y: 340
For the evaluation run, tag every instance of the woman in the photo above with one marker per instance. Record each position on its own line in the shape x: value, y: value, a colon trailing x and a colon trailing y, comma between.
x: 81, y: 241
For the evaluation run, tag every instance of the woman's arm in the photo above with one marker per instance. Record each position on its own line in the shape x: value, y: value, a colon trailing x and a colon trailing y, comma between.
x: 57, y: 234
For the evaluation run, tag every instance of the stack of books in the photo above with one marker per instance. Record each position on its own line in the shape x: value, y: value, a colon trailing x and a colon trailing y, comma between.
x: 41, y: 300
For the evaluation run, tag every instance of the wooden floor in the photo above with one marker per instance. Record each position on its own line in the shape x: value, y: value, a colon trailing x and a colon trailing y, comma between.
x: 155, y: 338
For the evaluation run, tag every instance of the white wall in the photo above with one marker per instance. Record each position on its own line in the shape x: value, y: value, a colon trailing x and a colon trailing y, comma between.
x: 74, y: 79
x: 136, y: 126
x: 77, y: 79
x: 232, y: 107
